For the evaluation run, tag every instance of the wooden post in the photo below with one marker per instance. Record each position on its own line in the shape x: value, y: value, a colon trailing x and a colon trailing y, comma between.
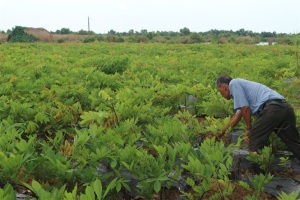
x: 88, y: 25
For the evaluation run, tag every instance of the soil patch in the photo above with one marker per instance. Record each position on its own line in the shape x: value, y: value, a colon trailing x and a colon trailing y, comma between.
x: 3, y: 37
x: 40, y: 33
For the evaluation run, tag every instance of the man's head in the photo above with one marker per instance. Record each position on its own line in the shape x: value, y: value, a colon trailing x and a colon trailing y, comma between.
x: 222, y: 84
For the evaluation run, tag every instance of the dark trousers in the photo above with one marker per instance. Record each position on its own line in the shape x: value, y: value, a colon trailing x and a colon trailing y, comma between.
x: 282, y: 120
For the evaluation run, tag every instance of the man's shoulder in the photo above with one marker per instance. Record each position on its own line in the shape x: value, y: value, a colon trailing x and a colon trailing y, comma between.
x: 237, y: 80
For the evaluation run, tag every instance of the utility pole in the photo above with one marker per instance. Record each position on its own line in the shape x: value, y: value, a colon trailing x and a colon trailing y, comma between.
x: 88, y: 25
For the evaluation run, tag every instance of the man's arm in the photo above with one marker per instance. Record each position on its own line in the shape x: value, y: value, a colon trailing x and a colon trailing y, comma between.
x: 233, y: 121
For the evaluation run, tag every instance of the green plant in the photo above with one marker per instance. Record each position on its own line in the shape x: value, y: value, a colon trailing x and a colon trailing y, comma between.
x: 10, y: 167
x: 96, y: 190
x: 153, y: 171
x: 263, y: 158
x: 213, y: 162
x: 16, y: 156
x: 259, y: 182
x: 250, y: 197
x: 215, y: 105
x: 41, y: 193
x: 89, y: 39
x: 18, y: 35
x: 69, y: 109
x: 7, y: 192
x: 108, y: 64
x: 244, y: 185
x: 291, y: 196
x: 284, y: 162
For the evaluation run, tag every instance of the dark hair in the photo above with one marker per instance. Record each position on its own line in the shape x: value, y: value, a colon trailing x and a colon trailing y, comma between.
x: 223, y: 79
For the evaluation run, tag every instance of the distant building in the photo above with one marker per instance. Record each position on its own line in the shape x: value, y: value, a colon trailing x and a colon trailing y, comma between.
x: 265, y: 43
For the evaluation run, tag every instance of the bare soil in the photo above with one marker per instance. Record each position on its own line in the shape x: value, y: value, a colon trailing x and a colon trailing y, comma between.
x: 3, y: 37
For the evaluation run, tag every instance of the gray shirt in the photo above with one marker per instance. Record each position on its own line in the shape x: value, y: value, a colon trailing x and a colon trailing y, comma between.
x: 252, y: 94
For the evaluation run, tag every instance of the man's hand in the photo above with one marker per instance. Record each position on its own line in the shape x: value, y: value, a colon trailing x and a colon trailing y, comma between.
x: 246, y: 136
x: 232, y: 122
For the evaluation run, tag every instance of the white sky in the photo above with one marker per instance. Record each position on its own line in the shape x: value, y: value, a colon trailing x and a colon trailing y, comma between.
x: 281, y: 16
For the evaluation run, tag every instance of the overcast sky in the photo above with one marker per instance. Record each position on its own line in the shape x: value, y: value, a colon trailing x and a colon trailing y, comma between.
x: 281, y: 16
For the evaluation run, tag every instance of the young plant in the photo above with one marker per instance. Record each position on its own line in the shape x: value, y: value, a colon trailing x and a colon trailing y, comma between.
x: 259, y: 182
x: 213, y: 162
x: 7, y: 192
x: 97, y: 191
x: 284, y: 162
x: 263, y: 158
x: 153, y: 173
x: 41, y: 193
x: 291, y: 196
x: 10, y: 166
x: 201, y: 173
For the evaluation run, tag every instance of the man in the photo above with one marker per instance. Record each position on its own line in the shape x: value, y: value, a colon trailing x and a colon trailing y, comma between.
x: 273, y: 113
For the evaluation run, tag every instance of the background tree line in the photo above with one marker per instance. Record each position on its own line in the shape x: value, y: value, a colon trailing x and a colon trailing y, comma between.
x: 184, y: 36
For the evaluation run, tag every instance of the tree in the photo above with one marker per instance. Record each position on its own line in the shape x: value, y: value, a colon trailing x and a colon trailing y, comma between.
x: 150, y: 35
x: 112, y: 32
x: 83, y: 32
x: 196, y: 38
x: 144, y: 31
x: 185, y: 31
x: 131, y: 32
x: 65, y: 31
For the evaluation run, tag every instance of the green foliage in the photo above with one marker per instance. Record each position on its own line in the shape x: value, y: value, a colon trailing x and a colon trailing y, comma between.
x: 214, y: 161
x: 7, y: 192
x: 93, y: 191
x: 18, y: 35
x: 89, y: 39
x: 259, y: 182
x: 263, y: 158
x: 37, y: 189
x: 65, y: 31
x: 91, y: 117
x: 284, y: 162
x: 291, y: 196
x: 152, y: 170
x: 67, y: 109
x: 108, y: 64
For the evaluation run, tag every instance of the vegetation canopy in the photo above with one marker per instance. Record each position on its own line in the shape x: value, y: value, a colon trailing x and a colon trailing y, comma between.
x: 121, y: 121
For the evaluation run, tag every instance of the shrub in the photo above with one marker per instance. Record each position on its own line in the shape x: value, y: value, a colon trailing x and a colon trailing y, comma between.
x: 18, y: 35
x: 89, y: 40
x: 100, y: 38
x: 62, y: 40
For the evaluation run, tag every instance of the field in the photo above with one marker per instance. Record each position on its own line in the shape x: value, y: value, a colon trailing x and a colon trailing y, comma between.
x: 132, y: 121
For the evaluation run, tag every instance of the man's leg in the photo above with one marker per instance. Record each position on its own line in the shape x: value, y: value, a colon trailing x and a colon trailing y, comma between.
x: 270, y: 117
x: 289, y: 134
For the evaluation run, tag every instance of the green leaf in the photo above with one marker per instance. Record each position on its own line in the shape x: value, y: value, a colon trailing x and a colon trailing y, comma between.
x: 157, y: 186
x: 90, y: 193
x: 104, y: 95
x: 113, y: 164
x: 118, y: 187
x: 97, y: 186
x: 31, y: 127
x: 111, y: 185
x: 7, y: 192
x: 125, y: 185
x: 190, y: 182
x: 69, y: 196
